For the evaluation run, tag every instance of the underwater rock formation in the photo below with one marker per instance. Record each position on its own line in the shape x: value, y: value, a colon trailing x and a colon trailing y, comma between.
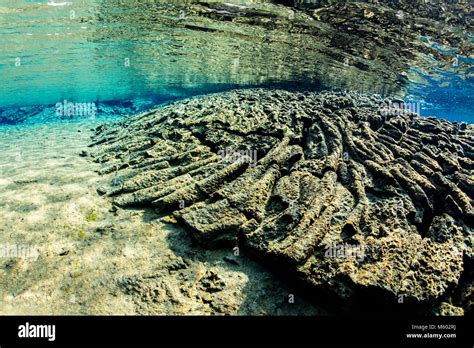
x: 363, y: 205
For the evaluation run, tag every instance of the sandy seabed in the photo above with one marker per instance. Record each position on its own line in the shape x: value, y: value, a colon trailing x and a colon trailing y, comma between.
x: 64, y: 251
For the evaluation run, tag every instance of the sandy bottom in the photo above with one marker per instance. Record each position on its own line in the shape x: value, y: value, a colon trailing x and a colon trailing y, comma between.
x: 63, y: 251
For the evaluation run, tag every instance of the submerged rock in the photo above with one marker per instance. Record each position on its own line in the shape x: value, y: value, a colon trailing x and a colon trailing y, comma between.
x: 365, y: 208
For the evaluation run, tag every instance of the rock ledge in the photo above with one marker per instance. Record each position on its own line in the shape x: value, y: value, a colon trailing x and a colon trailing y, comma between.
x: 357, y: 201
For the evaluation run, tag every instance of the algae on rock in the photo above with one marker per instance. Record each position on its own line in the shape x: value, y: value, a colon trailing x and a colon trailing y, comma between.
x: 354, y: 205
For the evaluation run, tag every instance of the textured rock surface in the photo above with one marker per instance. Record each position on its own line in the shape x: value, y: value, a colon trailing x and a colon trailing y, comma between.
x: 367, y: 208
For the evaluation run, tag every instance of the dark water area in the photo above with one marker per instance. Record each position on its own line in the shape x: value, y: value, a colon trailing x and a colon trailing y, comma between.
x: 150, y: 52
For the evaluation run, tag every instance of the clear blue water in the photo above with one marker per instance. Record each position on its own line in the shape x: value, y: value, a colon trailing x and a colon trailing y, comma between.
x: 445, y: 90
x: 148, y: 52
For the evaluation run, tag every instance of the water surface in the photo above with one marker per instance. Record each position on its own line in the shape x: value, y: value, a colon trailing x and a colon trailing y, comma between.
x: 103, y: 50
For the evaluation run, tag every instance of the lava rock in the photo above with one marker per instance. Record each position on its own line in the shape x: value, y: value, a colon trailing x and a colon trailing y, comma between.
x: 343, y: 198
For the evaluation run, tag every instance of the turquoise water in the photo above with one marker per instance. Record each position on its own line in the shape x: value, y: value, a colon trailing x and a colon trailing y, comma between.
x: 446, y: 90
x: 147, y: 52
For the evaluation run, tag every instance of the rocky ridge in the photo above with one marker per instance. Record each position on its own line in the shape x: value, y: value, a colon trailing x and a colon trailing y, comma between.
x: 363, y: 205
